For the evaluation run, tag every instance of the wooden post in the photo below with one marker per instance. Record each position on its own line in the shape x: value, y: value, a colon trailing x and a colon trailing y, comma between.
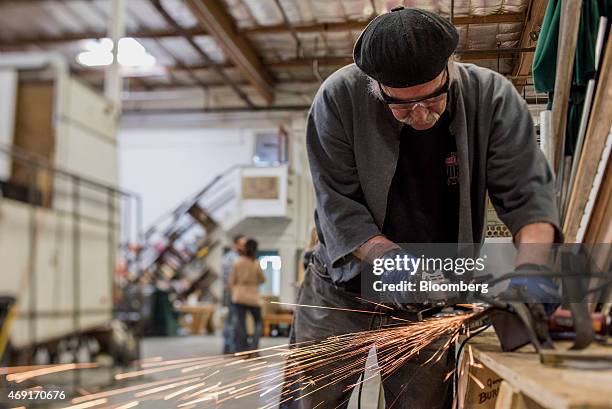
x: 533, y: 20
x: 600, y: 122
x: 599, y: 229
x: 568, y: 36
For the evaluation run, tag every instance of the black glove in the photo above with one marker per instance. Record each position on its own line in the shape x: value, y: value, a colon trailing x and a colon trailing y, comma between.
x: 403, y: 271
x: 397, y: 268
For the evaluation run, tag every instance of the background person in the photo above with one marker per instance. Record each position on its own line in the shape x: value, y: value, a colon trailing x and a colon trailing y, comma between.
x: 227, y: 264
x: 244, y: 282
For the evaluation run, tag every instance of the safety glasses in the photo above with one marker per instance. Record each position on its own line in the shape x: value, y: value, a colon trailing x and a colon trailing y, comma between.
x: 410, y: 104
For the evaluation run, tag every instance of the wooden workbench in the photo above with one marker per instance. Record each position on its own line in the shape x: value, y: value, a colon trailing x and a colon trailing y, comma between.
x: 201, y: 317
x: 517, y: 380
x: 275, y: 319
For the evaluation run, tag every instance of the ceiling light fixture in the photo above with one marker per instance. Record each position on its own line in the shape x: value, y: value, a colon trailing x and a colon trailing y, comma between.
x: 99, y: 53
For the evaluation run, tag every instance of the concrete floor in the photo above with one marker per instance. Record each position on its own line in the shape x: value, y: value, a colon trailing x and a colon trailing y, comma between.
x: 94, y: 380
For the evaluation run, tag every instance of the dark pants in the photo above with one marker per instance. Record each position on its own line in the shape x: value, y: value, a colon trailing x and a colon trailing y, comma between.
x: 241, y: 340
x: 228, y: 332
x: 415, y: 385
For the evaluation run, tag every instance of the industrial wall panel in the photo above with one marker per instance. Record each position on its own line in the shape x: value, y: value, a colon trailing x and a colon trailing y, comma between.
x: 88, y: 109
x: 54, y: 268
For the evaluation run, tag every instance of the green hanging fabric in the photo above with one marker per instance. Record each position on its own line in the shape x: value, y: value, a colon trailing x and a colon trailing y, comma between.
x: 545, y: 59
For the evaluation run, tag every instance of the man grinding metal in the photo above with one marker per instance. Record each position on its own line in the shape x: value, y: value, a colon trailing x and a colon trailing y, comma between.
x: 403, y: 146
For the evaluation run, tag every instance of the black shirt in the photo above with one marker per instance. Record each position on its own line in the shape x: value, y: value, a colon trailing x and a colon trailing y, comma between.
x: 423, y: 200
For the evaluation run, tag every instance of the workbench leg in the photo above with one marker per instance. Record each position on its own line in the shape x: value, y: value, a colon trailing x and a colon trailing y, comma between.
x: 266, y: 328
x: 509, y: 398
x: 210, y: 324
x: 197, y: 323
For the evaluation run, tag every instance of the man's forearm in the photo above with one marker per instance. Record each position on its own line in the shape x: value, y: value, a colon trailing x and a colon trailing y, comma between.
x: 533, y: 243
x: 374, y: 248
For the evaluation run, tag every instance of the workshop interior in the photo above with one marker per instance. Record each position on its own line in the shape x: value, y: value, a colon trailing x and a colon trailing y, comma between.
x: 218, y: 204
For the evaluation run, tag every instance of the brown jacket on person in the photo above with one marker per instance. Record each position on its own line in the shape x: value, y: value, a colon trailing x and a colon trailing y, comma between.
x: 244, y: 281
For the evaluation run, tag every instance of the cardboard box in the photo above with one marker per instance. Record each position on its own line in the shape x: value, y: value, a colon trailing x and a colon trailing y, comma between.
x: 478, y: 385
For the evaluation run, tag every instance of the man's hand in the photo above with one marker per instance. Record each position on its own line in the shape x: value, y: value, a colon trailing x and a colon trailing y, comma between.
x: 539, y: 288
x: 379, y: 247
x: 534, y: 242
x: 533, y: 288
x: 403, y: 270
x: 398, y: 274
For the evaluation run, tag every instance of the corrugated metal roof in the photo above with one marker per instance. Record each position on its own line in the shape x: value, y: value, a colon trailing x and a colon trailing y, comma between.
x: 24, y: 24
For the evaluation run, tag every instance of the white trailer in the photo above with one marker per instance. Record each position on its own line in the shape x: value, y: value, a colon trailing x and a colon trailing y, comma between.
x: 58, y: 247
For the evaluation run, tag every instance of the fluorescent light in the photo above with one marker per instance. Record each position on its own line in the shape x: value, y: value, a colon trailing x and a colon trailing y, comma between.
x: 131, y: 54
x: 95, y: 58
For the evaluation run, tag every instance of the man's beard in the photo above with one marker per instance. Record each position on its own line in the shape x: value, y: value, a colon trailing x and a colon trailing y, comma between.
x: 431, y: 119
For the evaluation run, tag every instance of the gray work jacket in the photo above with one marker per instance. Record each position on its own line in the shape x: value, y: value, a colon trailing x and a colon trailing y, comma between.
x: 353, y: 145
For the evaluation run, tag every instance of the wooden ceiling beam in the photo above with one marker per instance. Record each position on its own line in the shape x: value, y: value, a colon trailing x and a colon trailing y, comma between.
x: 85, y: 35
x: 205, y: 57
x: 355, y: 25
x: 464, y: 55
x: 279, y: 29
x: 333, y: 62
x: 215, y: 19
x: 529, y: 35
x: 492, y: 54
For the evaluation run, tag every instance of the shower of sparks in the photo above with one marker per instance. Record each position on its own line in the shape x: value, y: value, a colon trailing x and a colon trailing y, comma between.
x: 24, y: 376
x: 90, y: 404
x: 275, y: 374
x: 327, y: 308
x: 374, y: 303
x: 127, y: 405
x: 14, y: 369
